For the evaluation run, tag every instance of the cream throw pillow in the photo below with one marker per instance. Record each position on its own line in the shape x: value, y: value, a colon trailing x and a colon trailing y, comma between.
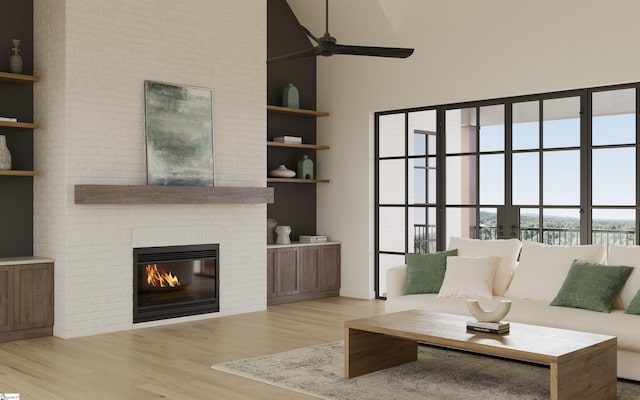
x: 506, y: 250
x: 629, y: 256
x: 469, y: 277
x: 543, y: 268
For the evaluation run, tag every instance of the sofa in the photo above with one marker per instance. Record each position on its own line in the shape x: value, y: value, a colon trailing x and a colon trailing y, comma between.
x: 567, y: 287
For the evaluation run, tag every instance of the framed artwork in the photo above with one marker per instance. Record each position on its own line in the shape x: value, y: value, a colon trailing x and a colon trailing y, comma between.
x: 179, y: 133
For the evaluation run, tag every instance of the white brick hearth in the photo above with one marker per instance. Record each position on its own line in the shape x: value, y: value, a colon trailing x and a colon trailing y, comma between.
x: 93, y: 58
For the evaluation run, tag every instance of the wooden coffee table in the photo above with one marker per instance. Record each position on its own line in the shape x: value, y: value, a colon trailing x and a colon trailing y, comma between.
x: 583, y: 365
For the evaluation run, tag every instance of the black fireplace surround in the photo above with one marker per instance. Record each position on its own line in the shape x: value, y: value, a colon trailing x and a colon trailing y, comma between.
x: 175, y: 281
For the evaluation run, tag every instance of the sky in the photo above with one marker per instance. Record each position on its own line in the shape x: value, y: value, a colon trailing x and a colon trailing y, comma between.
x: 613, y: 169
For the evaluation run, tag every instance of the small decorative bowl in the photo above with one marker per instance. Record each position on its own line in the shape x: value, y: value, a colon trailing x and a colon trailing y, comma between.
x: 282, y: 172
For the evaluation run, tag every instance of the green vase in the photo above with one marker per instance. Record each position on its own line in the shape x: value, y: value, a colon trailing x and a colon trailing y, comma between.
x: 291, y: 96
x: 305, y: 168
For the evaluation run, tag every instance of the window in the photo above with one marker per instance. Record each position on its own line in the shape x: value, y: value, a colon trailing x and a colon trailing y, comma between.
x: 558, y: 168
x: 406, y: 193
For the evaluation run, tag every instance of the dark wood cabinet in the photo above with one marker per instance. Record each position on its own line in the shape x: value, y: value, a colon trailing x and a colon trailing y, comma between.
x: 26, y: 300
x: 271, y: 273
x: 302, y: 272
x: 329, y: 275
x: 6, y: 299
x: 287, y: 272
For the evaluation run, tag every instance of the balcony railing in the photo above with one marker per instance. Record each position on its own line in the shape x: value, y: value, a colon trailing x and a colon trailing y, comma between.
x: 566, y: 236
x: 625, y: 238
x: 425, y: 236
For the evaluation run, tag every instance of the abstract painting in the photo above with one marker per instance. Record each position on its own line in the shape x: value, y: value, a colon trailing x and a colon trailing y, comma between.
x: 179, y: 128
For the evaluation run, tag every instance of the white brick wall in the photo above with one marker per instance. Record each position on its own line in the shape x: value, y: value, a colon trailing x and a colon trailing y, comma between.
x: 93, y: 58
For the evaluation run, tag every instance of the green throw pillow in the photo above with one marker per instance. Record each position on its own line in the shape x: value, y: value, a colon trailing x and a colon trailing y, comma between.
x: 425, y: 272
x: 591, y: 286
x: 634, y: 306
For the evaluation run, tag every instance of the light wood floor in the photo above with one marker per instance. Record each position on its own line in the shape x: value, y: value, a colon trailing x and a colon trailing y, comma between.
x: 173, y: 362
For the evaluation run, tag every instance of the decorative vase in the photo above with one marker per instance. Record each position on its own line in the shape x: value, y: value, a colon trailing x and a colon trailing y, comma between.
x: 305, y: 168
x: 283, y: 232
x: 271, y: 223
x: 495, y: 315
x: 282, y: 172
x: 291, y: 96
x: 5, y: 155
x: 15, y: 61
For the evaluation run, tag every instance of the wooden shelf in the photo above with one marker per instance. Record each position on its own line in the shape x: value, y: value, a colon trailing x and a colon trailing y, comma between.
x: 298, y: 146
x: 7, y: 77
x: 296, y: 180
x: 15, y: 172
x: 18, y: 125
x: 296, y: 111
x: 145, y: 194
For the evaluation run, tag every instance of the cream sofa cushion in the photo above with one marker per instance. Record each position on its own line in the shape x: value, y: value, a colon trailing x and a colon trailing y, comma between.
x: 543, y: 268
x: 469, y: 277
x: 629, y: 256
x: 506, y: 250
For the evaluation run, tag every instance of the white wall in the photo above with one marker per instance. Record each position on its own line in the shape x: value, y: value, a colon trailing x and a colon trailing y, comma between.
x: 93, y: 57
x: 465, y: 50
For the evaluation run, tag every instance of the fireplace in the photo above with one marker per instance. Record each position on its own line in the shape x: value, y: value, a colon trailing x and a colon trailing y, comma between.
x: 175, y: 281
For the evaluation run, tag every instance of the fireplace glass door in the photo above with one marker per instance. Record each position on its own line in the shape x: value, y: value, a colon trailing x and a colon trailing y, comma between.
x: 175, y: 281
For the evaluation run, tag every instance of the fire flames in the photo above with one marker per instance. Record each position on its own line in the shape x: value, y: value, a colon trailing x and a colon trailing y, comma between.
x: 156, y: 278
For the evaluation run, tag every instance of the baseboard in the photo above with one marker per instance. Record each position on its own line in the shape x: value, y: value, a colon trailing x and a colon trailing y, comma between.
x: 357, y: 293
x: 272, y: 301
x: 22, y: 334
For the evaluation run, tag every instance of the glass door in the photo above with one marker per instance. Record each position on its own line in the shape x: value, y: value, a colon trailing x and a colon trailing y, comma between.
x: 475, y: 157
x: 614, y: 166
x: 513, y: 170
x: 406, y: 191
x: 546, y: 169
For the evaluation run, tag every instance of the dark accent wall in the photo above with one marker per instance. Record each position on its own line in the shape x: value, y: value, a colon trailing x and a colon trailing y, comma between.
x: 295, y: 204
x: 16, y: 193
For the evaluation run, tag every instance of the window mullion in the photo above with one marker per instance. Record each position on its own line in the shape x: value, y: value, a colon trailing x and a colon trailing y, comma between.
x: 637, y: 233
x: 585, y: 168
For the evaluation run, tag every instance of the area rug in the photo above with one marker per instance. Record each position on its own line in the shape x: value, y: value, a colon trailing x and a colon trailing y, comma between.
x: 438, y: 374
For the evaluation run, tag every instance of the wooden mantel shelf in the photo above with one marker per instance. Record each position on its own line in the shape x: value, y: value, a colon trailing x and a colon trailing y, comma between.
x: 144, y: 194
x: 296, y: 111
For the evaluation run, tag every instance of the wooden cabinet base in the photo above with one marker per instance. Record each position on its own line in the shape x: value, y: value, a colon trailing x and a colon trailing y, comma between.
x: 26, y: 298
x: 26, y: 334
x: 272, y: 301
x: 298, y: 272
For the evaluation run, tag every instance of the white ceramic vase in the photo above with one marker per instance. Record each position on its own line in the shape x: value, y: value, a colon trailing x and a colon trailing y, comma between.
x: 283, y: 232
x: 495, y: 315
x: 5, y: 155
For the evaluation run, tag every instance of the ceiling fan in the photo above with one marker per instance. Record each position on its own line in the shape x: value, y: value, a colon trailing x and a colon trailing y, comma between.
x: 327, y: 46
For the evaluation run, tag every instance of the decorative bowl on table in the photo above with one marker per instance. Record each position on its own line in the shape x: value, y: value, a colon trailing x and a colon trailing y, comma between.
x: 495, y: 315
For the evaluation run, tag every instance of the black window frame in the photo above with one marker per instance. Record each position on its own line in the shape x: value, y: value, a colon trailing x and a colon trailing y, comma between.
x: 585, y: 147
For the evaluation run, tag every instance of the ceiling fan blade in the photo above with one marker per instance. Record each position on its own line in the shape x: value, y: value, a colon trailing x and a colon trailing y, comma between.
x: 309, y: 34
x: 314, y: 51
x: 393, y: 52
x: 327, y: 46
